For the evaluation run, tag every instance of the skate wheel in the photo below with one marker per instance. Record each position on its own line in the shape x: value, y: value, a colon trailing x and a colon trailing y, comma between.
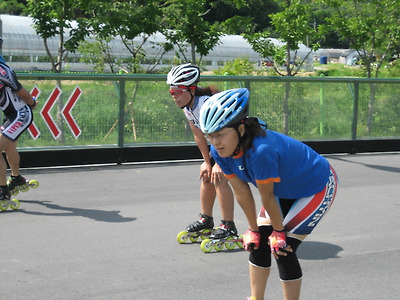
x: 205, y: 233
x: 206, y: 245
x: 240, y: 243
x: 4, y: 205
x: 14, y: 192
x: 193, y: 239
x: 219, y: 246
x: 34, y: 184
x: 24, y: 188
x: 14, y: 204
x: 229, y: 244
x: 182, y: 237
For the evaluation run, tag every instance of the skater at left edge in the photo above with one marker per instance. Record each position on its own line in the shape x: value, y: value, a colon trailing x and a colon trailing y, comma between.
x: 17, y: 104
x: 296, y: 185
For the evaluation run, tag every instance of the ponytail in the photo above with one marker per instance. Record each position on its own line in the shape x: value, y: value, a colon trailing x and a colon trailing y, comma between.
x: 206, y: 91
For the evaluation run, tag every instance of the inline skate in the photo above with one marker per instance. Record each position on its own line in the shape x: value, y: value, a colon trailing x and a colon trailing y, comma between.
x: 202, y: 228
x: 224, y: 235
x: 19, y: 183
x: 6, y: 201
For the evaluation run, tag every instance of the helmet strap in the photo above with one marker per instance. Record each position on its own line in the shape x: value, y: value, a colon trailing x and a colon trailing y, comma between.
x: 237, y: 150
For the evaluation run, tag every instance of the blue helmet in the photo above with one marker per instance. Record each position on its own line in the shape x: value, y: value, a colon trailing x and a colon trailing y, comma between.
x: 224, y: 109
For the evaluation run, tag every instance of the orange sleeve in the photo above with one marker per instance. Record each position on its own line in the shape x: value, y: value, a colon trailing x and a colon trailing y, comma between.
x: 264, y: 181
x: 230, y: 175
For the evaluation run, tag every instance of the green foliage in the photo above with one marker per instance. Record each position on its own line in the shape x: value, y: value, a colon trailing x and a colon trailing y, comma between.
x: 12, y: 7
x: 394, y: 69
x: 240, y: 66
x: 129, y: 20
x: 339, y: 70
x: 186, y: 26
x: 98, y: 53
x: 52, y: 18
x: 293, y: 25
x: 371, y: 26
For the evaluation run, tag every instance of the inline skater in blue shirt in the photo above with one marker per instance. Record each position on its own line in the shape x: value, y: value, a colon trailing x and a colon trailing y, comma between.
x: 297, y: 187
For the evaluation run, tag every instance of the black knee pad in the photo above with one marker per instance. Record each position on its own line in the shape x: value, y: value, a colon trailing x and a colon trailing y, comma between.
x: 289, y: 266
x: 262, y: 256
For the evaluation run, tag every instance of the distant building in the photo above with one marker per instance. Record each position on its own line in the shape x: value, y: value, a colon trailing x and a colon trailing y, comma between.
x: 342, y: 56
x: 24, y: 49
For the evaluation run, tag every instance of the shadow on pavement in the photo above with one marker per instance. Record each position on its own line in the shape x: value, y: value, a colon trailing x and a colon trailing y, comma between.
x: 317, y: 250
x: 95, y: 214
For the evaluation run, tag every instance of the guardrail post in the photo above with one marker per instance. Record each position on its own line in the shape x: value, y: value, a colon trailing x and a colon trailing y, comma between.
x: 322, y: 107
x: 247, y: 84
x: 121, y: 117
x: 355, y: 111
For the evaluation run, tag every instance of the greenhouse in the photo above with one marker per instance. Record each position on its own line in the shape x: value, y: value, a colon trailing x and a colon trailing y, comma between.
x: 25, y: 50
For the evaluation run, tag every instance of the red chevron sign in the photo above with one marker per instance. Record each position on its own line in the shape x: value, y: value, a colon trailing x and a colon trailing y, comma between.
x: 66, y: 112
x: 32, y: 129
x: 55, y: 131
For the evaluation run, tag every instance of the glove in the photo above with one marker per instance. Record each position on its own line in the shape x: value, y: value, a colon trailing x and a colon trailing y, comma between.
x: 277, y: 240
x: 251, y: 240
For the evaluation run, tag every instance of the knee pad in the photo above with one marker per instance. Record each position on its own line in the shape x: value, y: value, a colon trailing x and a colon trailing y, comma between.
x: 289, y: 266
x: 262, y: 256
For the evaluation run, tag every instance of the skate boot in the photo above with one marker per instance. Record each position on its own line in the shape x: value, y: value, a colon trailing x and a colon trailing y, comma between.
x: 205, y: 222
x: 5, y: 194
x: 200, y: 228
x: 224, y: 235
x: 5, y: 200
x: 225, y: 230
x: 19, y: 183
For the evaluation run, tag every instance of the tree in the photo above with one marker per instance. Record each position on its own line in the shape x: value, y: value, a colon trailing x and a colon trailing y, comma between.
x: 132, y: 21
x: 372, y: 28
x: 13, y: 7
x: 246, y: 16
x: 190, y: 26
x: 55, y: 18
x: 293, y: 25
x: 186, y: 26
x: 99, y: 53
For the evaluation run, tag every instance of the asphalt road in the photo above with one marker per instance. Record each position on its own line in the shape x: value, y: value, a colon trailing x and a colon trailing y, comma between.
x: 109, y: 232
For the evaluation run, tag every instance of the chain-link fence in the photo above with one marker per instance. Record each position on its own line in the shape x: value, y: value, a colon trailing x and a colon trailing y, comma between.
x: 129, y: 110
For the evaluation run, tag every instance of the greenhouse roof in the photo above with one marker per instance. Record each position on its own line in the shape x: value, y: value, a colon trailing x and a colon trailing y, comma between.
x: 21, y: 40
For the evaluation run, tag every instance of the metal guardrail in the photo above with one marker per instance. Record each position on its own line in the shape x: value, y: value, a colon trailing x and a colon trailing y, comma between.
x: 326, y: 92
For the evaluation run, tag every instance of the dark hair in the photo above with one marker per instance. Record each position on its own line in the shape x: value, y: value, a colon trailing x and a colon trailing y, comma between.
x: 206, y: 91
x: 252, y: 129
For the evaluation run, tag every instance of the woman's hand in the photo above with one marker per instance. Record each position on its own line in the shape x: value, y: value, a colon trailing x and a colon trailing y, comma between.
x: 205, y: 172
x: 217, y: 176
x: 251, y: 240
x: 277, y: 243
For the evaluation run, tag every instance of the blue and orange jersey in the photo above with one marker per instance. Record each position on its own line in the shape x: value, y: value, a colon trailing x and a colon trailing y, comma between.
x: 295, y: 169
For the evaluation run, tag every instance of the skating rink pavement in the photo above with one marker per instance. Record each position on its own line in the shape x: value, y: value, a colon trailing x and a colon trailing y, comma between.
x: 109, y: 232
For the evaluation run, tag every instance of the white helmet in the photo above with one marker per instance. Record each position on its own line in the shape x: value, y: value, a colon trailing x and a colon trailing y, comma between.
x: 224, y: 109
x: 186, y: 75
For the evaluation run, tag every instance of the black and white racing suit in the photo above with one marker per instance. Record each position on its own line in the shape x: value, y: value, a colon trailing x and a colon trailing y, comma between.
x: 17, y: 114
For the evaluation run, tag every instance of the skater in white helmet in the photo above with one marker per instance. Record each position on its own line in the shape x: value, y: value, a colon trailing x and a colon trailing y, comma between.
x: 187, y: 95
x: 296, y: 185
